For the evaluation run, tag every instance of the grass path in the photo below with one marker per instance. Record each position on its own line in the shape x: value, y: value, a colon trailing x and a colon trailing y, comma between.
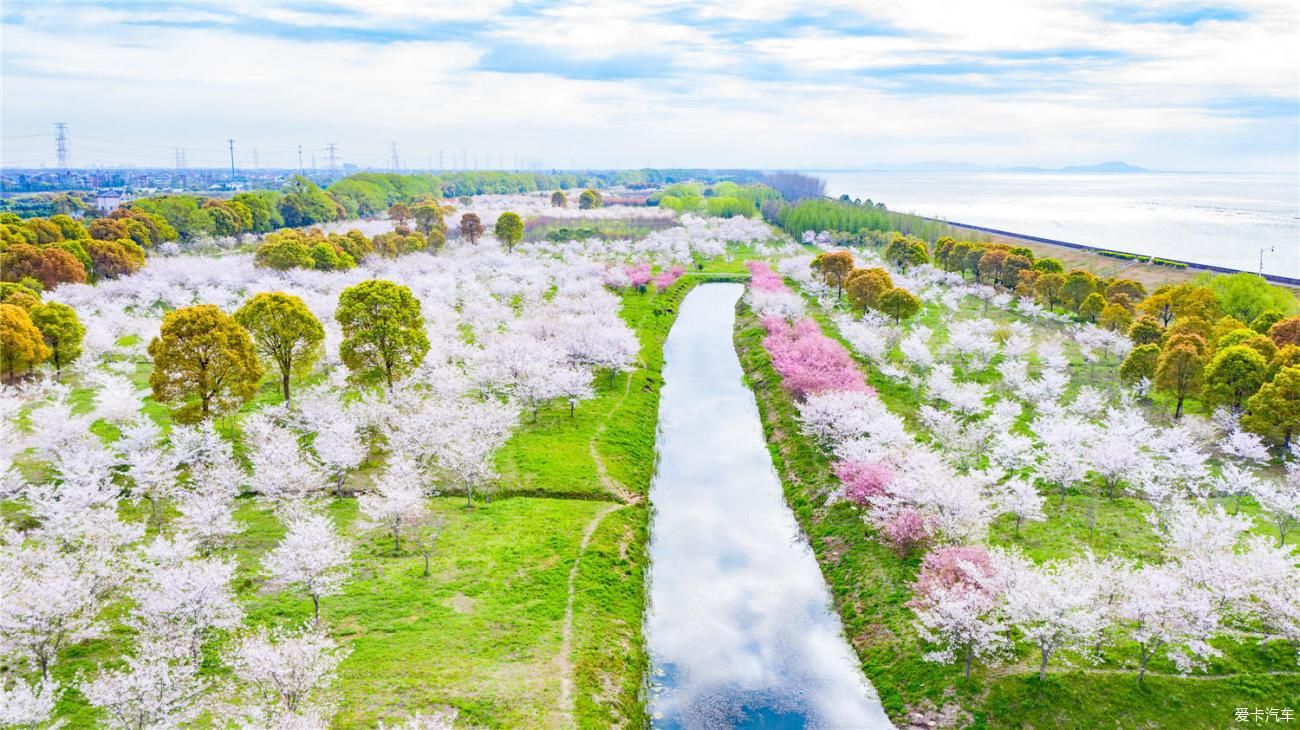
x: 625, y: 498
x: 563, y: 662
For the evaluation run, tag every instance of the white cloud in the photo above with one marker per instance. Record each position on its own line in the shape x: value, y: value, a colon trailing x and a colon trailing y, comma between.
x: 660, y: 82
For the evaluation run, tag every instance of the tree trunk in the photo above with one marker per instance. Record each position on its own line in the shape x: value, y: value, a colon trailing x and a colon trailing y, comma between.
x: 1042, y: 668
x: 970, y: 654
x: 284, y: 384
x: 315, y: 607
x: 397, y: 540
x: 426, y: 565
x: 1178, y: 409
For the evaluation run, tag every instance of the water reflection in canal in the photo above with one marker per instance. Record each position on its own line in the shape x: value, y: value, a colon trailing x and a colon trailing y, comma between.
x: 740, y: 629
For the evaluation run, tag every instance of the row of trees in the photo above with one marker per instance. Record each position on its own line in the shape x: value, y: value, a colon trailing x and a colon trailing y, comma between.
x: 60, y: 249
x: 371, y: 193
x: 33, y: 332
x: 1187, y: 347
x: 207, y: 361
x: 871, y: 288
x: 723, y: 200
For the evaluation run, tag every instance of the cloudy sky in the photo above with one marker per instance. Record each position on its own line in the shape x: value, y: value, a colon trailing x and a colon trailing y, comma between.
x: 752, y: 83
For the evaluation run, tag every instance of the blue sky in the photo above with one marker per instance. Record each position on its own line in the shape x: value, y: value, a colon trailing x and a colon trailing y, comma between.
x: 762, y: 83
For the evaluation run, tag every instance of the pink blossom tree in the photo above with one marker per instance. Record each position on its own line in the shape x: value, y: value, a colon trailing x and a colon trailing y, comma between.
x: 863, y: 481
x: 905, y: 530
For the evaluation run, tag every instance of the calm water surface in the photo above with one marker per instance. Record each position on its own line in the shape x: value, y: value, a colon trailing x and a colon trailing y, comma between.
x: 740, y: 629
x: 1222, y: 219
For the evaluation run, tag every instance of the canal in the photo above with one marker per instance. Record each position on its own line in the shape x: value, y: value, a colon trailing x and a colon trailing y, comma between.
x: 740, y: 628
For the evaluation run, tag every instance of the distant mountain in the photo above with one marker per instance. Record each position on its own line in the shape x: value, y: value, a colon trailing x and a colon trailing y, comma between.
x: 1112, y: 166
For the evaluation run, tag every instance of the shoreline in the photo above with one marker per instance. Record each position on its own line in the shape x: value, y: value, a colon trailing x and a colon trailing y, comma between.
x: 1157, y: 271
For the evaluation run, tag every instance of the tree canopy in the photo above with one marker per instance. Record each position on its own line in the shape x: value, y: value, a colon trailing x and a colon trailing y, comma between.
x: 383, y: 331
x: 285, y: 333
x: 203, y: 361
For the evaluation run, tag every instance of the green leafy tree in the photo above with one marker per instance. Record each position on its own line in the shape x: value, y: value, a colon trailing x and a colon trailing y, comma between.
x: 834, y: 268
x: 1246, y: 296
x: 1263, y: 322
x: 383, y: 331
x: 905, y: 252
x: 69, y: 229
x: 22, y: 346
x: 1286, y: 357
x: 1078, y: 285
x: 1180, y: 368
x: 559, y: 199
x: 62, y: 331
x: 590, y: 199
x: 1132, y: 291
x: 115, y: 259
x: 509, y: 229
x: 1145, y: 330
x: 1114, y: 317
x: 285, y: 333
x: 400, y: 213
x: 1250, y: 338
x: 899, y: 304
x: 1049, y: 265
x: 283, y: 252
x: 1274, y: 411
x: 262, y: 214
x: 428, y: 217
x: 1140, y: 363
x: 864, y: 287
x: 471, y: 227
x: 203, y: 360
x: 19, y: 295
x: 1047, y: 287
x: 1092, y: 306
x: 1233, y: 376
x: 305, y: 204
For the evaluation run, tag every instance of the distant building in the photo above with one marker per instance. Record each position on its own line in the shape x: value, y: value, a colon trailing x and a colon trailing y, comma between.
x: 107, y: 201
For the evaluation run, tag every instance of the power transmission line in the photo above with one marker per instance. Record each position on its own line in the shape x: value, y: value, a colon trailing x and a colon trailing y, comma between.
x: 300, y: 171
x: 332, y: 147
x: 231, y: 142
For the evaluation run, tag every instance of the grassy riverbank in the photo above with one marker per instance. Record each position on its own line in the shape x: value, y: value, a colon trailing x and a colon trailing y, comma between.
x: 870, y: 588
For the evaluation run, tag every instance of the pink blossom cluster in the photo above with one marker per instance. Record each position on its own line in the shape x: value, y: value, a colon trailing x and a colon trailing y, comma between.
x: 956, y: 567
x: 906, y: 530
x: 668, y: 278
x: 809, y: 361
x: 639, y: 274
x: 763, y: 278
x: 863, y: 480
